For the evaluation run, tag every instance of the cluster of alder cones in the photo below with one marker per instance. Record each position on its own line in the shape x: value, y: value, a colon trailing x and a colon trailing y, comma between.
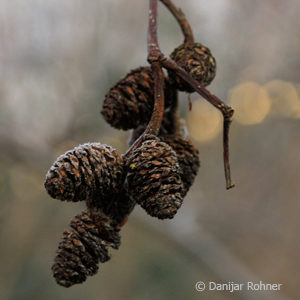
x: 156, y: 173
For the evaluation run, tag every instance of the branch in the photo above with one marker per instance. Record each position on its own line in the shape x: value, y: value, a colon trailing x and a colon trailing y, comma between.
x: 159, y: 102
x: 153, y: 58
x: 157, y: 59
x: 181, y: 19
x: 226, y: 110
x: 158, y: 74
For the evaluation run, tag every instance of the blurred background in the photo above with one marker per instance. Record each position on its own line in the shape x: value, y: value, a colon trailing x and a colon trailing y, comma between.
x: 57, y: 61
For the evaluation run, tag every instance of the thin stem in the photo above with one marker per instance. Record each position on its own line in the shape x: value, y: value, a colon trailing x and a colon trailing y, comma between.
x: 159, y: 100
x: 215, y: 101
x: 181, y: 19
x: 158, y: 74
x: 157, y: 59
x: 226, y: 125
x: 152, y: 42
x: 226, y: 110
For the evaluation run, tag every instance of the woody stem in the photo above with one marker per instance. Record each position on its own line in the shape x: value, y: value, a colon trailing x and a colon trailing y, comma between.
x: 153, y: 58
x: 154, y: 54
x: 157, y: 59
x: 226, y: 110
x: 159, y: 101
x: 181, y: 19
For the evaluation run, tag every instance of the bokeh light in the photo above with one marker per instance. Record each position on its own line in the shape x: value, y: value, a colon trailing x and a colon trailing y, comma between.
x: 204, y: 121
x: 251, y: 103
x: 284, y: 97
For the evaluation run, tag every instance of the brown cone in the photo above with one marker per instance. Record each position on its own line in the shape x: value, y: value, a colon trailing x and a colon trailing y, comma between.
x: 198, y: 61
x: 87, y: 169
x: 130, y: 102
x: 154, y: 178
x: 188, y: 159
x: 83, y: 247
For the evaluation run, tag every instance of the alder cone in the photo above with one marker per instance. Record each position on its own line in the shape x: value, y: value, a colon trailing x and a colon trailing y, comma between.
x: 198, y: 61
x: 88, y: 169
x: 82, y: 248
x: 130, y: 102
x: 188, y: 159
x: 154, y: 178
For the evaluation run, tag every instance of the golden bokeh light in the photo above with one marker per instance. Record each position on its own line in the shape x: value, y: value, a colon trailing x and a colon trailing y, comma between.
x: 204, y: 121
x: 284, y: 97
x: 251, y: 103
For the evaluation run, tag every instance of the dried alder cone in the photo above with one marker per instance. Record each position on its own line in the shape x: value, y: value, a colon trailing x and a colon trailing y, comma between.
x: 88, y: 169
x: 83, y: 247
x: 154, y: 178
x: 188, y: 159
x: 187, y: 154
x: 197, y: 60
x: 130, y: 102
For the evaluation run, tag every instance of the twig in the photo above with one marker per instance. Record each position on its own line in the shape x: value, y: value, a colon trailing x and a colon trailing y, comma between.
x: 181, y: 19
x: 158, y: 74
x: 226, y: 110
x: 226, y: 125
x: 157, y: 59
x: 159, y: 102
